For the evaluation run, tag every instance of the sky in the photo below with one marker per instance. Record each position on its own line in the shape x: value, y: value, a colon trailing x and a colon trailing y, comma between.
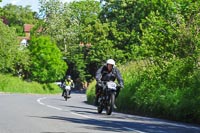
x: 33, y: 3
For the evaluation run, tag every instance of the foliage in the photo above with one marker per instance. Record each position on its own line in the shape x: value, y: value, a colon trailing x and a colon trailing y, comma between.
x: 46, y: 60
x: 7, y: 48
x: 147, y: 93
x: 11, y: 84
x: 165, y: 81
x: 58, y: 23
x: 91, y: 92
x: 17, y: 16
x: 10, y: 55
x: 69, y: 25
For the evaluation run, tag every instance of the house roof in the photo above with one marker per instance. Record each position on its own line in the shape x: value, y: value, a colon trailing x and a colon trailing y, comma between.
x: 27, y: 27
x: 5, y: 21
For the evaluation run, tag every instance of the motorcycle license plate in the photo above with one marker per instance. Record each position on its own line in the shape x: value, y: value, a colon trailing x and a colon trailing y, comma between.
x: 112, y: 85
x: 67, y: 87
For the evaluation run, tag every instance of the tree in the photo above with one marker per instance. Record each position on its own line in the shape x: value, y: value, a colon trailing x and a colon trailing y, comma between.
x: 58, y: 23
x: 68, y: 24
x: 47, y: 64
x: 12, y: 59
x: 125, y: 17
x: 8, y: 48
x: 86, y: 14
x: 17, y: 16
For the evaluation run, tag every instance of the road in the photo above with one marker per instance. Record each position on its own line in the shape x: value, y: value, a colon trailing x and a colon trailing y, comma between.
x: 29, y: 113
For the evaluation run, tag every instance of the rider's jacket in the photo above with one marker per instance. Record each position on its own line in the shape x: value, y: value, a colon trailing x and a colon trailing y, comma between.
x: 69, y: 83
x: 103, y: 74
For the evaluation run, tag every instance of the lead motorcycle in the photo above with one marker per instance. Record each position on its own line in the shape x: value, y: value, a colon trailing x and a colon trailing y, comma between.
x: 106, y: 99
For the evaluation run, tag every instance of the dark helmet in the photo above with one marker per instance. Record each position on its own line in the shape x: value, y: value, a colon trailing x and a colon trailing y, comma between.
x: 68, y: 77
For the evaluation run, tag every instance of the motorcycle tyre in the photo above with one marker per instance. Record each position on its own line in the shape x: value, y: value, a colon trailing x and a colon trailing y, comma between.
x: 99, y: 107
x: 66, y: 95
x: 110, y: 104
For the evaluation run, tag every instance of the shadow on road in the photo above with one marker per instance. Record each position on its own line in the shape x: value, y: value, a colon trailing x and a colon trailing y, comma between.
x: 94, y: 124
x: 125, y: 126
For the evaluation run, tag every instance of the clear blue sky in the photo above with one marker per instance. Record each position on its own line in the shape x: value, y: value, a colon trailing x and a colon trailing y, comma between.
x: 33, y: 3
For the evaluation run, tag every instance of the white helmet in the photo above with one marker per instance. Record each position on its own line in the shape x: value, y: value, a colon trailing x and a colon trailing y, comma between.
x: 110, y: 61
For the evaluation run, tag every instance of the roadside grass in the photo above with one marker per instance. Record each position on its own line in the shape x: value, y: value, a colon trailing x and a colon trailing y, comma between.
x: 131, y: 74
x: 11, y: 84
x: 90, y: 93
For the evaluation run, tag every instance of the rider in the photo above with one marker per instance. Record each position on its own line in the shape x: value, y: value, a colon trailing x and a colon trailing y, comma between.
x: 68, y: 82
x: 105, y: 73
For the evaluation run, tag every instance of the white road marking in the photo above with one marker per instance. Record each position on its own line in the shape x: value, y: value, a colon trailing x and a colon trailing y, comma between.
x: 39, y: 101
x: 85, y: 116
x: 53, y: 107
x: 135, y: 131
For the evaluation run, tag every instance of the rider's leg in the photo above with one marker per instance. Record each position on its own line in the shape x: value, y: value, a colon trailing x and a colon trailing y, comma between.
x: 117, y: 92
x: 97, y: 93
x: 69, y: 94
x: 63, y: 92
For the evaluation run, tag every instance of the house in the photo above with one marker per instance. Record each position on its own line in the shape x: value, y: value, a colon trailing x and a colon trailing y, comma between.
x: 27, y: 30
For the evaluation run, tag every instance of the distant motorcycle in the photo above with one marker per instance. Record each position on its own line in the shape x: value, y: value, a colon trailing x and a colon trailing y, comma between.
x: 67, y: 89
x: 106, y: 99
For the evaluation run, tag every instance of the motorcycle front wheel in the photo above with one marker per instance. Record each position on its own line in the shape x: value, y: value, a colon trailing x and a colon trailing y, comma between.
x: 66, y: 95
x: 99, y: 106
x: 110, y: 104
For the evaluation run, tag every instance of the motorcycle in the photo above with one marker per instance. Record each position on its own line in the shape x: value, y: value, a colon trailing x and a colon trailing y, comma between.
x: 106, y: 99
x: 66, y: 93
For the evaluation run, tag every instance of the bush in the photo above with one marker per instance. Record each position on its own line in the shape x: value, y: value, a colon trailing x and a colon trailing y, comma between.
x: 91, y: 92
x: 150, y: 91
x: 47, y: 64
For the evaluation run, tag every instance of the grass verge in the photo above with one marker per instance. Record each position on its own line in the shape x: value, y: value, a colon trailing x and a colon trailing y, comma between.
x: 11, y: 84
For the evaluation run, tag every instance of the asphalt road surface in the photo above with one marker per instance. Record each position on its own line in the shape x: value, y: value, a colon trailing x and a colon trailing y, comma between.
x: 28, y: 113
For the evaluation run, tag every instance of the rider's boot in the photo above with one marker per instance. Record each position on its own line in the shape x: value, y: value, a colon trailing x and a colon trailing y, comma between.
x: 62, y: 93
x: 114, y: 106
x: 96, y: 101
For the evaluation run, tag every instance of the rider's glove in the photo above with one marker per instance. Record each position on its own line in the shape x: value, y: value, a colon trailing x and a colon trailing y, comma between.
x: 121, y: 86
x: 99, y: 82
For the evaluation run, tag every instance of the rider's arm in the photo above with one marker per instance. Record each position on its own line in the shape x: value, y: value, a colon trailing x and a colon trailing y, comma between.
x: 119, y: 78
x: 72, y: 84
x: 98, y: 74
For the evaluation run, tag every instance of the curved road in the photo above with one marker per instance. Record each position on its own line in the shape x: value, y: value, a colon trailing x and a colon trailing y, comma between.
x: 28, y: 113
